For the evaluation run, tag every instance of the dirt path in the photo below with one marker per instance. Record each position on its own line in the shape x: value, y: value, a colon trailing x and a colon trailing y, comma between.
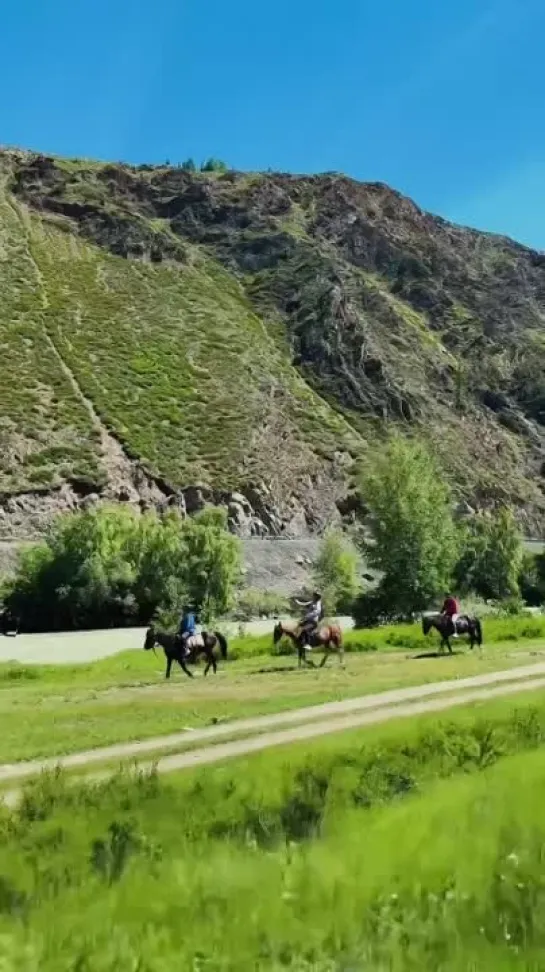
x: 262, y: 732
x: 243, y: 747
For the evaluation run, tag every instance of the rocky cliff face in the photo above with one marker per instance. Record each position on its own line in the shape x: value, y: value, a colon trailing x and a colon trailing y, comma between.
x: 244, y: 337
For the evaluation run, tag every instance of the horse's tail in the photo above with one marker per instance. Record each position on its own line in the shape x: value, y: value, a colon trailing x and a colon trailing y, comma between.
x: 222, y: 643
x: 478, y: 631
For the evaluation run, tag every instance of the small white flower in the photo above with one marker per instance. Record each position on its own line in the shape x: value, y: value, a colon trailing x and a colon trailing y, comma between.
x: 513, y: 858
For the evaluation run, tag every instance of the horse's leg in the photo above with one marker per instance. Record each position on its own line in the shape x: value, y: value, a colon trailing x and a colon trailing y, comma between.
x: 327, y: 649
x: 183, y: 666
x: 169, y: 666
x: 448, y: 644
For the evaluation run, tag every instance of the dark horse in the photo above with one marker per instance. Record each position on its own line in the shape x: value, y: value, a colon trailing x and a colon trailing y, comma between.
x: 8, y: 623
x: 464, y: 626
x: 327, y: 636
x: 203, y: 644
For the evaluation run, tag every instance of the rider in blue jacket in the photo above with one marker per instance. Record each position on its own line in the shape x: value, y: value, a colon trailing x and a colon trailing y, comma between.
x: 188, y: 627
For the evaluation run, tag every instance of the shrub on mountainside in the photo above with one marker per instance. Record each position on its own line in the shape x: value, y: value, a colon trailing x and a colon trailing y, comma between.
x: 414, y: 538
x: 491, y: 556
x: 335, y: 572
x: 111, y: 566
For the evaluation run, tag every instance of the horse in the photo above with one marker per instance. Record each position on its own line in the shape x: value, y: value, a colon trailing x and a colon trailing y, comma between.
x: 198, y: 645
x: 464, y: 625
x: 328, y: 636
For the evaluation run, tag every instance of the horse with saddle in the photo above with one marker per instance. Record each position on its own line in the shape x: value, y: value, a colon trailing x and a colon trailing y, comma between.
x: 311, y: 633
x: 451, y: 624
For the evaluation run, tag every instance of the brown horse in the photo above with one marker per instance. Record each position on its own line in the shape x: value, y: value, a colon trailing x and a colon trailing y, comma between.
x: 327, y: 636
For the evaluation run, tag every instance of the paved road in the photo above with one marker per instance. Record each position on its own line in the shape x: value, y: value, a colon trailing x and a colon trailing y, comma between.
x: 71, y: 647
x: 264, y: 732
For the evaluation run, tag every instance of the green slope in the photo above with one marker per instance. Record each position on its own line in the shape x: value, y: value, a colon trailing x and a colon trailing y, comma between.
x: 172, y: 358
x: 45, y: 431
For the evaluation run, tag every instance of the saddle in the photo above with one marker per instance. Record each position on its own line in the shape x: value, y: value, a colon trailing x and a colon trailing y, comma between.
x: 311, y: 633
x: 461, y: 625
x: 194, y: 641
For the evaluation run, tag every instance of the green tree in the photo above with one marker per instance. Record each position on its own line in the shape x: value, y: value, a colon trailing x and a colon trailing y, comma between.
x: 212, y: 562
x: 531, y: 579
x: 491, y: 555
x: 189, y: 165
x: 113, y: 566
x: 335, y: 572
x: 414, y: 541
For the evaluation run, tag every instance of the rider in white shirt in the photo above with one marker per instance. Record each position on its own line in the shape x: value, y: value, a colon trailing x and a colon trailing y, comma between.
x: 312, y: 617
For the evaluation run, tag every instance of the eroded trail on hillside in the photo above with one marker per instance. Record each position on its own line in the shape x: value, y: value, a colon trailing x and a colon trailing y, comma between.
x: 264, y: 732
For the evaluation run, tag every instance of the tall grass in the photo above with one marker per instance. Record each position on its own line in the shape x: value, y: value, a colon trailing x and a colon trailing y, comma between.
x: 350, y: 856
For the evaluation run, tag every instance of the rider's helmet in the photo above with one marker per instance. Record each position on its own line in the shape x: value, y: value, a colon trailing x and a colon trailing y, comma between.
x: 316, y: 596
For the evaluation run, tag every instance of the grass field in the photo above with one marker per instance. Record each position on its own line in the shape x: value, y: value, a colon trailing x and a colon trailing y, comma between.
x: 50, y: 711
x: 413, y: 846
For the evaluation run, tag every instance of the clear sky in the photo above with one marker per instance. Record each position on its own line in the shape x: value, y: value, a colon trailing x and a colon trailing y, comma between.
x: 442, y: 99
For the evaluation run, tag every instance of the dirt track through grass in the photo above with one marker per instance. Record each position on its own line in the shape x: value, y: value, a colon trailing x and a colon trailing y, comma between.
x: 54, y: 711
x: 302, y: 723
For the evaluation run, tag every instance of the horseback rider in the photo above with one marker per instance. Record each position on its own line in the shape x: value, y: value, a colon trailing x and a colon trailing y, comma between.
x: 311, y: 618
x: 451, y: 610
x: 188, y: 627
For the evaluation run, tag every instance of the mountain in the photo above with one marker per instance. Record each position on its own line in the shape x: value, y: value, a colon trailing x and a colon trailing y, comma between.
x: 171, y: 337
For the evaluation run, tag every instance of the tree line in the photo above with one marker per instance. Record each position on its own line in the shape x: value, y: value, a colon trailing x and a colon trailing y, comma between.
x: 112, y: 566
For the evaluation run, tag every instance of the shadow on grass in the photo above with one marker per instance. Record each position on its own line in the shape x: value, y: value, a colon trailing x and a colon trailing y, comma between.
x: 436, y: 654
x: 276, y: 670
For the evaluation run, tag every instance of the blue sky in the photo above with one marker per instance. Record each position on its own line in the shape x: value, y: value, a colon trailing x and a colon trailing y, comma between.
x: 443, y: 100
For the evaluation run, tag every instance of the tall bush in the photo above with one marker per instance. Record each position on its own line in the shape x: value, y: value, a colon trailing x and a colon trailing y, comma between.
x: 414, y: 540
x: 112, y: 566
x: 491, y: 555
x: 336, y: 573
x: 211, y: 562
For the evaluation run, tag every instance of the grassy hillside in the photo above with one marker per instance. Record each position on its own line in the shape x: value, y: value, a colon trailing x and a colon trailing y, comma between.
x: 251, y: 333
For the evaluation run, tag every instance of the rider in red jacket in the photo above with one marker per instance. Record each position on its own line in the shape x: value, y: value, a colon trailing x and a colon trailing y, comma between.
x: 451, y: 609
